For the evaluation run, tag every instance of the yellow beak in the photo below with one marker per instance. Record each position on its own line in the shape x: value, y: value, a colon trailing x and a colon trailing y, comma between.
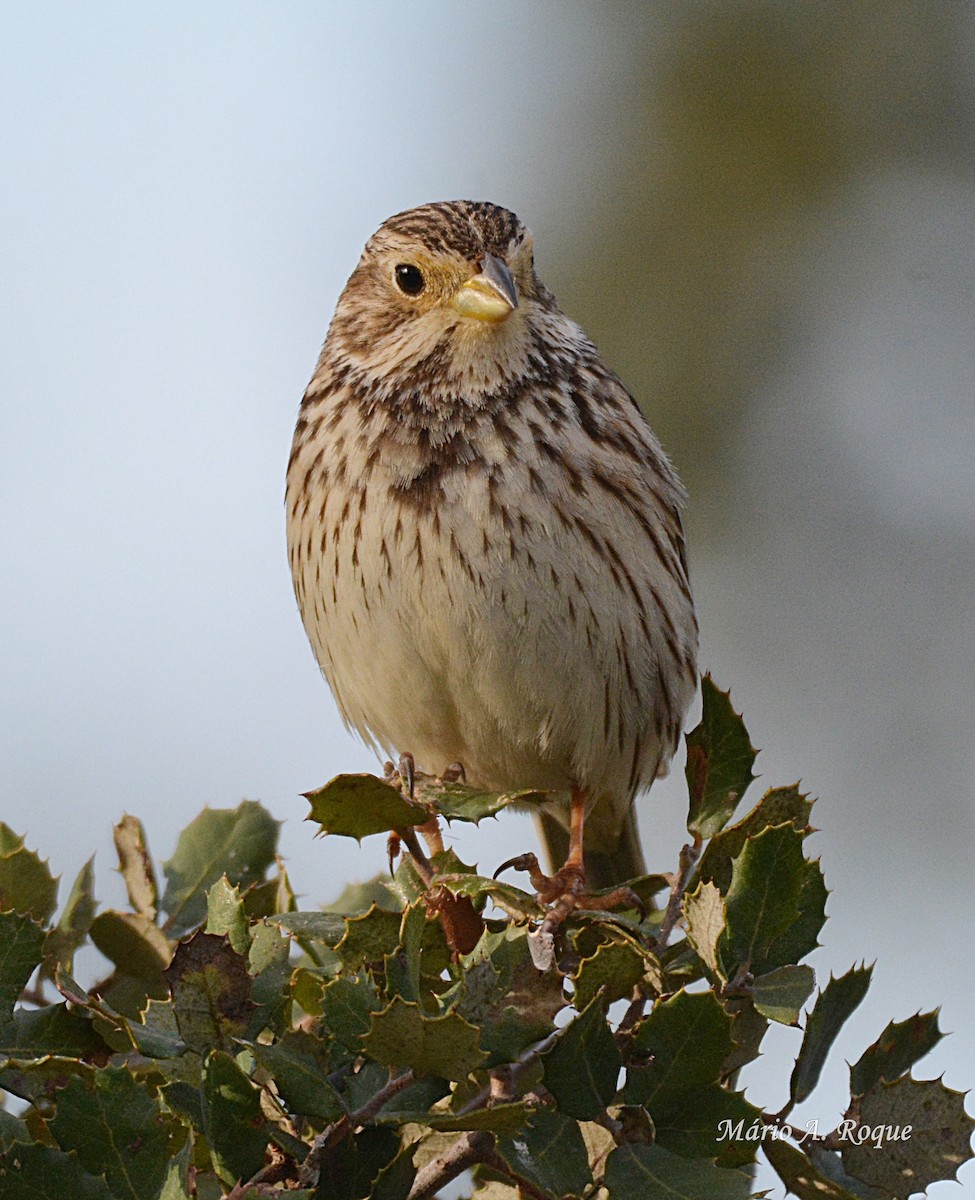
x: 491, y: 295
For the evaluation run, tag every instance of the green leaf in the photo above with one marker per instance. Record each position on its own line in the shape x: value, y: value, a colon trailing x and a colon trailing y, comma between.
x: 719, y: 763
x: 225, y: 914
x: 359, y: 805
x: 235, y: 1127
x: 133, y: 943
x: 401, y: 1036
x: 326, y: 927
x: 21, y: 947
x: 74, y: 923
x: 211, y: 992
x: 503, y: 994
x: 896, y: 1050
x: 26, y: 884
x: 781, y: 993
x: 614, y: 970
x: 832, y: 1008
x: 693, y: 1124
x: 239, y: 843
x: 35, y: 1032
x: 802, y: 937
x: 637, y: 1171
x: 298, y: 1063
x: 748, y: 1029
x: 549, y: 1154
x: 117, y: 1129
x: 368, y: 938
x: 800, y: 1177
x: 582, y: 1068
x: 704, y: 918
x: 269, y: 963
x: 135, y: 866
x: 347, y: 1005
x: 511, y: 899
x: 458, y: 802
x: 36, y: 1172
x: 776, y: 807
x: 688, y: 1037
x: 360, y: 897
x: 356, y: 1163
x: 763, y: 900
x: 939, y: 1141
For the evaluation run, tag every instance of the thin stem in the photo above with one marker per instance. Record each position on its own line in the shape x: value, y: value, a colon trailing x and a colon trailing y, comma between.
x: 688, y: 858
x: 470, y: 1148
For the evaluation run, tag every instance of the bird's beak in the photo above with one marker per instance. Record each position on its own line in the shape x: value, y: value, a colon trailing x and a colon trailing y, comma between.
x: 491, y: 295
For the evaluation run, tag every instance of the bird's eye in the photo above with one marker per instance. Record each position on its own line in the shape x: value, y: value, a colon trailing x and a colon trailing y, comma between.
x: 409, y: 279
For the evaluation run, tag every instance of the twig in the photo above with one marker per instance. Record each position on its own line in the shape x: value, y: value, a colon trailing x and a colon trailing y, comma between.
x: 502, y: 1083
x: 688, y: 857
x: 470, y: 1148
x: 329, y: 1138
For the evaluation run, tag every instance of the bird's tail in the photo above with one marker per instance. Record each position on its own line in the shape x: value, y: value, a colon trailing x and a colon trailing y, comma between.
x: 604, y: 869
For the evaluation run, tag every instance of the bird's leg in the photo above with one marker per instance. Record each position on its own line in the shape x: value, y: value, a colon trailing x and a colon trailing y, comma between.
x: 455, y: 773
x: 566, y: 889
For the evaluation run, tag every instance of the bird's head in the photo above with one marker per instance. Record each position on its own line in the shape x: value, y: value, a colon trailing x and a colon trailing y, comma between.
x: 444, y: 297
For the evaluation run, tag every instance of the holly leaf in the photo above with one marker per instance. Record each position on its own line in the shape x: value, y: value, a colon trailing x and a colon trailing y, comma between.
x: 133, y: 943
x: 719, y: 763
x: 800, y: 1176
x: 549, y: 1154
x: 613, y: 970
x: 74, y: 923
x: 896, y: 1050
x: 211, y: 992
x: 347, y: 1005
x: 401, y: 1036
x: 582, y: 1068
x: 239, y: 843
x: 692, y: 1123
x: 763, y: 899
x: 359, y: 805
x: 135, y: 866
x: 688, y: 1038
x: 833, y: 1006
x: 776, y: 807
x: 21, y: 947
x: 26, y: 884
x: 298, y: 1063
x: 904, y: 1163
x: 637, y: 1171
x: 458, y: 802
x: 704, y: 918
x: 117, y: 1128
x: 36, y: 1172
x: 235, y: 1128
x: 780, y: 994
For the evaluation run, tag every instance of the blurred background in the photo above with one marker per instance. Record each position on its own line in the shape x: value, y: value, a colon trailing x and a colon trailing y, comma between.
x: 763, y: 213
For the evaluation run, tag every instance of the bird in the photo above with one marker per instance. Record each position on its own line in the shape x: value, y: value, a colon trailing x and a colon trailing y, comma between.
x: 486, y: 540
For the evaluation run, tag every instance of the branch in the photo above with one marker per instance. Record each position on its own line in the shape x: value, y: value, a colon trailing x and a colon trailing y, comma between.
x: 688, y: 858
x: 470, y: 1148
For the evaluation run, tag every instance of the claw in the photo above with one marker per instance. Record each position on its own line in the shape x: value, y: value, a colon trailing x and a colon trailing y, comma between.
x: 521, y: 862
x: 407, y: 772
x: 392, y: 849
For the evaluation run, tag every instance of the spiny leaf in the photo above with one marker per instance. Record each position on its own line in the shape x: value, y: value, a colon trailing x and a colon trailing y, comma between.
x: 37, y: 1172
x: 211, y: 992
x: 511, y: 899
x: 234, y: 1125
x: 780, y: 994
x: 763, y: 900
x: 719, y: 763
x: 614, y: 969
x: 776, y: 807
x: 833, y: 1006
x: 582, y: 1067
x: 549, y: 1154
x: 26, y: 884
x: 802, y: 936
x: 692, y: 1123
x: 21, y: 946
x: 897, y: 1049
x: 346, y: 1007
x: 637, y: 1171
x: 299, y: 1064
x: 704, y: 918
x: 458, y: 802
x: 800, y: 1177
x: 135, y: 866
x: 239, y: 843
x: 225, y: 915
x: 401, y: 1036
x: 117, y: 1129
x: 368, y: 937
x: 74, y: 923
x: 688, y: 1037
x: 326, y: 927
x: 359, y: 805
x: 939, y: 1141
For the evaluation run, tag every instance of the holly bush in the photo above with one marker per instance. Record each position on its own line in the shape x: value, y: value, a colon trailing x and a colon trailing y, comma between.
x: 438, y: 1021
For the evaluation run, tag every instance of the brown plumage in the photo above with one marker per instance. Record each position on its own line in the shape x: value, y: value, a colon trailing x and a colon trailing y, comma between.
x: 485, y: 534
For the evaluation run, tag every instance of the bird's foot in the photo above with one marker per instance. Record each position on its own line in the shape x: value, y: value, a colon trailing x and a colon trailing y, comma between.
x: 566, y: 889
